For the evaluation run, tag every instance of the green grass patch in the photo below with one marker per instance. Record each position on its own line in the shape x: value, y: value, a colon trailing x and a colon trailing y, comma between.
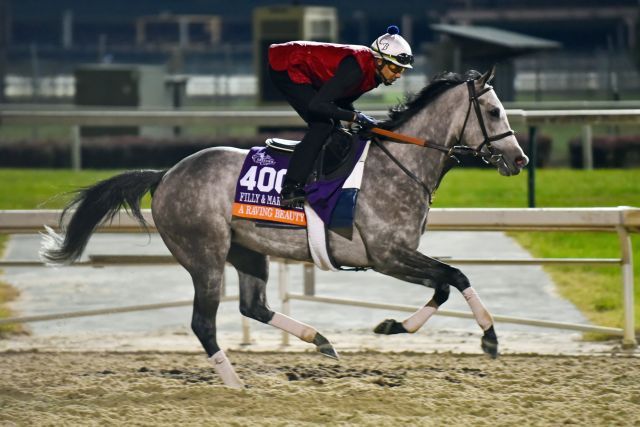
x: 596, y: 291
x: 3, y: 243
x: 46, y: 188
x: 7, y: 294
x: 554, y: 188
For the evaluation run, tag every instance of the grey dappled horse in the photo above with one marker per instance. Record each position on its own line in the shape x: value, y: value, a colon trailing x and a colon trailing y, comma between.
x: 192, y: 212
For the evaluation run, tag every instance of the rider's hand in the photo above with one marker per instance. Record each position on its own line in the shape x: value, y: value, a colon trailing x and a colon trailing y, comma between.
x: 364, y: 121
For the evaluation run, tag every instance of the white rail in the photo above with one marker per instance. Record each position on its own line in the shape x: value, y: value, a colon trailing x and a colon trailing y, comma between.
x: 621, y: 220
x: 272, y: 117
x: 604, y: 219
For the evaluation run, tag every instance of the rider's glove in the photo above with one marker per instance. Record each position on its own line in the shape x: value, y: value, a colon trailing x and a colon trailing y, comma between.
x: 364, y: 121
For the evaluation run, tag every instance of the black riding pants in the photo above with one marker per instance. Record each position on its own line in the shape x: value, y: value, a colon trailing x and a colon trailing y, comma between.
x: 306, y: 152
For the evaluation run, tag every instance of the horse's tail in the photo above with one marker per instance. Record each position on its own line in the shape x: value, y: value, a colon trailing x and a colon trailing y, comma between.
x: 95, y: 205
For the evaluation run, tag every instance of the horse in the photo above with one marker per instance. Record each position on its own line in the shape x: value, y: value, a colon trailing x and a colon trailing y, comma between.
x: 192, y: 210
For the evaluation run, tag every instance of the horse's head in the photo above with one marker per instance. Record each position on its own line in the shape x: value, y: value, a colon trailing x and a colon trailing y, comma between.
x: 486, y: 128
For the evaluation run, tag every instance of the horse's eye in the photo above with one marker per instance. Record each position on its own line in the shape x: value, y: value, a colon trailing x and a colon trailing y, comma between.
x: 495, y: 112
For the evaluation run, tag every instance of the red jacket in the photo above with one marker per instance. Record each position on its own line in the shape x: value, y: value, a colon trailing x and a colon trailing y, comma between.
x: 314, y: 63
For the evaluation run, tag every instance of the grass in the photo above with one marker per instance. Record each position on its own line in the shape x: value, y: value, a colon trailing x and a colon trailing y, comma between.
x: 7, y: 294
x: 554, y: 188
x: 46, y: 188
x: 596, y: 291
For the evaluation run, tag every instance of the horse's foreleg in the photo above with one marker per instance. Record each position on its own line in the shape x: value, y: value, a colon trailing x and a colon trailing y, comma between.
x: 460, y: 281
x: 420, y: 317
x: 414, y: 322
x: 418, y: 268
x: 253, y: 273
x: 484, y: 319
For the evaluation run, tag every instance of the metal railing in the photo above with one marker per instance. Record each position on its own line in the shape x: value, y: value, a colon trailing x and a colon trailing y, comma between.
x: 273, y: 118
x: 621, y: 220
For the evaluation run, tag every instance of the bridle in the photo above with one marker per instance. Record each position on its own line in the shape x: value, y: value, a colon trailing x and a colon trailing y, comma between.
x: 458, y: 149
x: 490, y: 155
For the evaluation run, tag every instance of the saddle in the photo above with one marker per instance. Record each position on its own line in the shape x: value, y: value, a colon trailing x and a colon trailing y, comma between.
x: 336, y: 158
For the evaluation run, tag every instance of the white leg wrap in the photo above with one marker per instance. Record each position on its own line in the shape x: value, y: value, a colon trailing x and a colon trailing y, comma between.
x: 225, y: 370
x: 287, y: 324
x: 481, y: 314
x: 419, y: 318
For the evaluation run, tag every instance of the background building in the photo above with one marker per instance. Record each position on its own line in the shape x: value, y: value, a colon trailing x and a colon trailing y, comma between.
x: 41, y: 43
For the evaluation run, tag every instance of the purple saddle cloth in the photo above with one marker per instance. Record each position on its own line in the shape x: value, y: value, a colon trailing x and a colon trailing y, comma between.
x: 324, y: 195
x: 261, y: 178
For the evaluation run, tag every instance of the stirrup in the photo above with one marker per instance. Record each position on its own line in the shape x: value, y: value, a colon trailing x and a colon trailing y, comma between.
x: 293, y: 202
x: 292, y: 196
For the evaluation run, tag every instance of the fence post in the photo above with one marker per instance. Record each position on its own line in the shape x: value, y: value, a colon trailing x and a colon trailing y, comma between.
x: 309, y: 279
x: 283, y: 279
x: 587, y: 147
x: 246, y: 331
x: 629, y: 337
x: 76, y: 148
x: 533, y: 153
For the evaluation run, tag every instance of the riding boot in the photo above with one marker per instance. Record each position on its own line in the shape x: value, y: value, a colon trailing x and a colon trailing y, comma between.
x: 292, y: 194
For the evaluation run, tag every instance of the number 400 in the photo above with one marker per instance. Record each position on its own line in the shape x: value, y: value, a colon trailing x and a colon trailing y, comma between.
x: 267, y: 179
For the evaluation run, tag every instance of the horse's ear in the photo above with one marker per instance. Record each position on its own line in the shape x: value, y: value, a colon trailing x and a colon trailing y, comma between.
x: 488, y: 76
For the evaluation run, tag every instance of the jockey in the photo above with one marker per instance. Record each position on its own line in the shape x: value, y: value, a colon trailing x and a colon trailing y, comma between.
x: 321, y: 81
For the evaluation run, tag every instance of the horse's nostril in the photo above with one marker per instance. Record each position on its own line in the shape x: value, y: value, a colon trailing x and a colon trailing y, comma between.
x: 522, y: 161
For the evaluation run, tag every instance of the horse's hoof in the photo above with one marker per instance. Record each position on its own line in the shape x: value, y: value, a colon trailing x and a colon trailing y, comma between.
x: 490, y: 347
x: 324, y: 346
x: 390, y: 327
x: 328, y: 350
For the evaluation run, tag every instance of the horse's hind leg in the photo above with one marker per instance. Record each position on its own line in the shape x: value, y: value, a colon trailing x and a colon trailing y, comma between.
x: 204, y: 257
x: 203, y: 322
x: 253, y: 271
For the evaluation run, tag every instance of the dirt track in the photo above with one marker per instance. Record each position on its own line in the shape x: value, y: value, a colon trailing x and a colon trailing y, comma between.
x: 297, y: 389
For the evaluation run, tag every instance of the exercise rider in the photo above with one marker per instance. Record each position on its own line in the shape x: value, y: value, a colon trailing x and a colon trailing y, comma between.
x: 321, y: 81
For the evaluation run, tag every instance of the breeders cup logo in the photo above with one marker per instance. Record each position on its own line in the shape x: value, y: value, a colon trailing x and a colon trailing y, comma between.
x: 263, y: 159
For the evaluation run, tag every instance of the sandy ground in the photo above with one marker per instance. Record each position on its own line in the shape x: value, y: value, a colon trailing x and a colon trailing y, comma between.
x: 148, y: 368
x: 293, y: 388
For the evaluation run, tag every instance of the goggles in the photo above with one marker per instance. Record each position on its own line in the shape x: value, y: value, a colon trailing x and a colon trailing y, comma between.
x: 404, y: 59
x: 395, y: 68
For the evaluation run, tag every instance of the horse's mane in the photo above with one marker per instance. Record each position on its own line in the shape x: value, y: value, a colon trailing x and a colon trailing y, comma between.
x: 439, y: 84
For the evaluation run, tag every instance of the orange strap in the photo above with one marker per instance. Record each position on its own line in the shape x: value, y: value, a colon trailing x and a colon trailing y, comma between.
x: 399, y: 137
